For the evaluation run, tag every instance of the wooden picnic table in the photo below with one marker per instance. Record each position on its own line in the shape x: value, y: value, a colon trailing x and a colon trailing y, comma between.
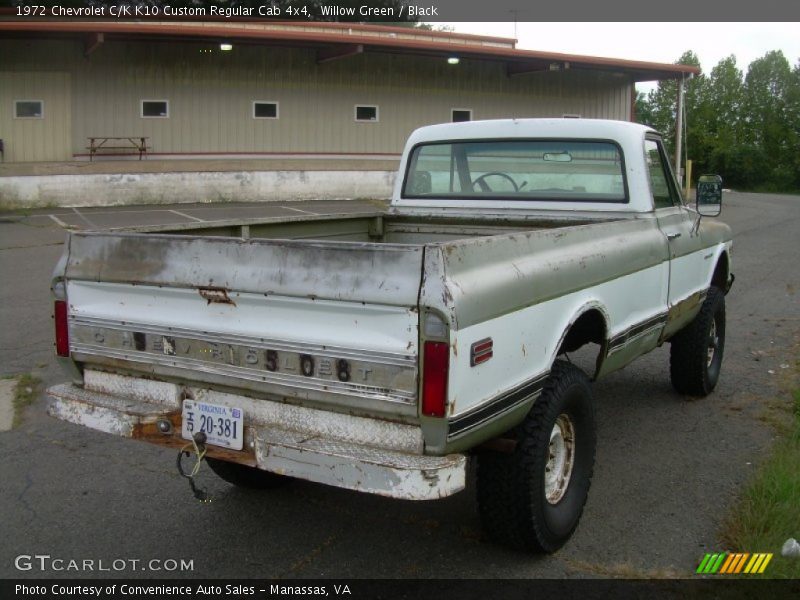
x: 101, y: 144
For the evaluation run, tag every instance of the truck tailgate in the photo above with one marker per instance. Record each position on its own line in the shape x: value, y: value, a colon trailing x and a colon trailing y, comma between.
x: 331, y: 325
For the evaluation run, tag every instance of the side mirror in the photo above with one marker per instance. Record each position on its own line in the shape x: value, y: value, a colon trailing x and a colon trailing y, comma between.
x: 709, y: 195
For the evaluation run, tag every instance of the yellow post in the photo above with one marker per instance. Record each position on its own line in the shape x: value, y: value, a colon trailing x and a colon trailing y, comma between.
x: 688, y: 178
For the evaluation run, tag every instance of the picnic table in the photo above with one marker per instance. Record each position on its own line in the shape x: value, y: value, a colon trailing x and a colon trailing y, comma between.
x: 117, y: 144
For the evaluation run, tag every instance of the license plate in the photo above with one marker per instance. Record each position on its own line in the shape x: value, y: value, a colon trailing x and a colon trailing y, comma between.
x: 223, y: 426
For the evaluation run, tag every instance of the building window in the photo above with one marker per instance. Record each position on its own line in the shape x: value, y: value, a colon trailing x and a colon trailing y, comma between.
x: 28, y: 109
x: 264, y: 109
x: 366, y: 113
x: 570, y: 116
x: 459, y: 115
x: 155, y: 109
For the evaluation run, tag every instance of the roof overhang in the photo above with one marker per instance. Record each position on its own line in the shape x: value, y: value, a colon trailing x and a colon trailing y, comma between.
x: 334, y: 41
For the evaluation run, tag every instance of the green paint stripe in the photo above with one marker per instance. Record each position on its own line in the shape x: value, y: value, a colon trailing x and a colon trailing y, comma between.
x: 711, y: 563
x: 718, y: 564
x: 703, y: 563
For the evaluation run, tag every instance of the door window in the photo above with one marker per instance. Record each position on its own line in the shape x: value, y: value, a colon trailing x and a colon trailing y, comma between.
x: 661, y: 185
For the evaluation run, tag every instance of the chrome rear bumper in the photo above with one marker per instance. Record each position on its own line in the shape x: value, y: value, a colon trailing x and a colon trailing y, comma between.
x: 356, y: 453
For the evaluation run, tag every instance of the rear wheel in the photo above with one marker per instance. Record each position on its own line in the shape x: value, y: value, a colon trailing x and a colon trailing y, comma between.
x: 533, y: 498
x: 695, y: 357
x: 246, y: 477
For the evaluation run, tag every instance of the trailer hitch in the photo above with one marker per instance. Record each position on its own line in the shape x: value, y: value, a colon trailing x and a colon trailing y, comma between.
x: 198, y: 446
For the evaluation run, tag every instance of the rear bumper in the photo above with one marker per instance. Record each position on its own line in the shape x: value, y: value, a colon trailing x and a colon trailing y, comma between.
x: 335, y: 457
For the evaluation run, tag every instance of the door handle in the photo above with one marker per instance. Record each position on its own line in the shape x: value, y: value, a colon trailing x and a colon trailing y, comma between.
x: 673, y: 236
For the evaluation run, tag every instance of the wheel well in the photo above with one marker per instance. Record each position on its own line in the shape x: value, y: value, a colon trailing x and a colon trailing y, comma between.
x: 720, y: 277
x: 590, y: 327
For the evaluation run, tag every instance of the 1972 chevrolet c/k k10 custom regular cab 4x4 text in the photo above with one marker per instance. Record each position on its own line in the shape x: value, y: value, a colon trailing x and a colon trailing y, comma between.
x: 377, y: 352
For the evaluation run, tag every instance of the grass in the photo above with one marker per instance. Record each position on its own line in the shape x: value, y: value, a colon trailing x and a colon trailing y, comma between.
x: 623, y: 570
x: 768, y: 511
x: 25, y: 392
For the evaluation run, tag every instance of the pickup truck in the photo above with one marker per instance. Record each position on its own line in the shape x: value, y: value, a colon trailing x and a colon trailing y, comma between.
x: 381, y: 351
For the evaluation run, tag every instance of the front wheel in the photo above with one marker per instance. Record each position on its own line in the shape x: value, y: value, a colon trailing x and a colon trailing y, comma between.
x: 533, y: 498
x: 695, y: 357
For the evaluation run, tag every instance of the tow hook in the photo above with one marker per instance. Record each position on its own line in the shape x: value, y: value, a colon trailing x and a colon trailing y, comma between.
x: 198, y: 447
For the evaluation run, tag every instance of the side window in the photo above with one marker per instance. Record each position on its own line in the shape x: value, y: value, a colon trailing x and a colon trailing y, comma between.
x: 664, y: 194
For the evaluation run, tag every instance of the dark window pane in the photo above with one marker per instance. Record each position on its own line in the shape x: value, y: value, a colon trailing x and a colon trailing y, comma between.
x: 459, y: 116
x: 29, y: 109
x: 152, y: 108
x: 663, y: 193
x: 266, y: 110
x: 366, y: 113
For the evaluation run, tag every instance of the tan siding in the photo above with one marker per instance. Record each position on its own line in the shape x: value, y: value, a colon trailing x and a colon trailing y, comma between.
x: 211, y: 95
x: 45, y: 139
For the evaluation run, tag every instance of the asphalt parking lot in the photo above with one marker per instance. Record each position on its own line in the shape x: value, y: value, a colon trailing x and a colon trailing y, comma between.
x: 667, y: 469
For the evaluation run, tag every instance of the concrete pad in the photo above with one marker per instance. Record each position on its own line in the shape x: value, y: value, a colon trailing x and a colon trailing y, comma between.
x: 84, y: 190
x: 103, y: 221
x: 7, y: 403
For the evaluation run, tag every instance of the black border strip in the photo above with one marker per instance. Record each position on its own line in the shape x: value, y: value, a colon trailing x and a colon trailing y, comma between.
x: 496, y: 407
x: 623, y: 338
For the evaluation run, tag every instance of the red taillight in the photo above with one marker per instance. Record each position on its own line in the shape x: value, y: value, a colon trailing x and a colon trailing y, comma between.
x: 62, y: 328
x: 434, y: 378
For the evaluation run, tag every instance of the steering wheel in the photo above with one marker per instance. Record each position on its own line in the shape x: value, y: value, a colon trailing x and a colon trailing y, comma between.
x: 481, y: 181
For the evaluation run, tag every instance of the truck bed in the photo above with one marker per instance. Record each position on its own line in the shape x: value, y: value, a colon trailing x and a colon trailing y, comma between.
x: 378, y: 228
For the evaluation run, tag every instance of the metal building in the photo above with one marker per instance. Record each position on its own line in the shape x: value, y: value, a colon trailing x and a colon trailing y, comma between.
x: 307, y: 91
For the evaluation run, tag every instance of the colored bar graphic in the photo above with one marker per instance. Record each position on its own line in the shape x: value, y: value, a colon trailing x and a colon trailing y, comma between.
x: 703, y: 563
x: 765, y: 563
x: 757, y: 565
x: 753, y: 560
x: 717, y: 564
x: 711, y: 562
x: 741, y: 562
x: 731, y: 563
x: 727, y: 563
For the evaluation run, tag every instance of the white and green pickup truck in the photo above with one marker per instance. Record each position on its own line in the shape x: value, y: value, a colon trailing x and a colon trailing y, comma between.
x: 381, y: 352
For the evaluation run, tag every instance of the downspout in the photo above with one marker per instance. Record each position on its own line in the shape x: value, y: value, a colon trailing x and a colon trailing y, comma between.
x: 679, y: 135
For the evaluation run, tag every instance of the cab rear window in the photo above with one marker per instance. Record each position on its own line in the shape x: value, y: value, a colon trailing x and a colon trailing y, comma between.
x: 568, y: 170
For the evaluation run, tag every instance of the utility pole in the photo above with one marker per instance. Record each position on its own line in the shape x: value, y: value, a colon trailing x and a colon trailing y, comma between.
x: 515, y: 12
x: 679, y: 135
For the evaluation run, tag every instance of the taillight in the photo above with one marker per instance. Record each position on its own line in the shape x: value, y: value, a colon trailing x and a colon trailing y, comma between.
x: 62, y: 328
x: 434, y: 378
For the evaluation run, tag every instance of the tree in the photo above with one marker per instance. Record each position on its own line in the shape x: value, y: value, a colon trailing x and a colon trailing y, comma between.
x: 793, y: 115
x: 723, y: 102
x: 767, y: 129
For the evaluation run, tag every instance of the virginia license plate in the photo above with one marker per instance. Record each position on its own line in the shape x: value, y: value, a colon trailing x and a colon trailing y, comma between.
x: 223, y: 426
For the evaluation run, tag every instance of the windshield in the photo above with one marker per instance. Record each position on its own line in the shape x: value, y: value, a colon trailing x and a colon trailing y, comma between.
x: 567, y: 170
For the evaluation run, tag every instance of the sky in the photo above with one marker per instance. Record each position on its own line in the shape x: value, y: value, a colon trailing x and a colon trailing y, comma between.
x: 656, y: 42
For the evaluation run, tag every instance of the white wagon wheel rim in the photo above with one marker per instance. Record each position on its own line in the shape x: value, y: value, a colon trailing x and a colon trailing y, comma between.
x: 713, y: 343
x: 561, y: 459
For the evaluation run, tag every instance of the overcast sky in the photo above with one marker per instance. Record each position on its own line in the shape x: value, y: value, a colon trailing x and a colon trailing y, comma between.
x: 657, y: 42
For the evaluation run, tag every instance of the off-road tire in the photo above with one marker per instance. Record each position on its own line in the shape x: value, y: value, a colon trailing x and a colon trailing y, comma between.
x: 246, y: 477
x: 691, y: 371
x: 512, y: 499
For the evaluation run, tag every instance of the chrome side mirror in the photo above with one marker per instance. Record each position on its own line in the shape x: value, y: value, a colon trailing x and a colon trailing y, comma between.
x: 709, y: 195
